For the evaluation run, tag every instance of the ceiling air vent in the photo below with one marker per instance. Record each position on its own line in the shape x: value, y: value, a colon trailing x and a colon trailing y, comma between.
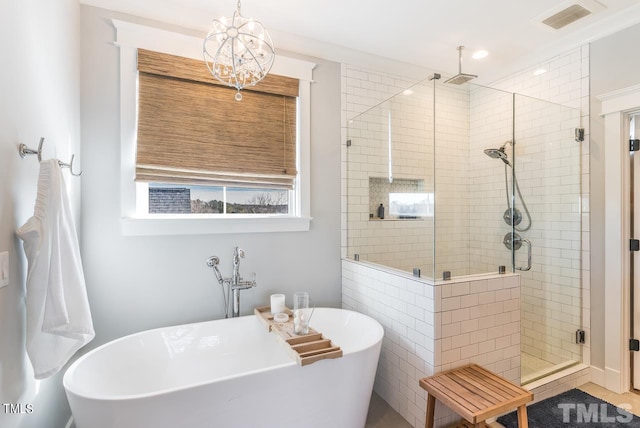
x: 566, y: 16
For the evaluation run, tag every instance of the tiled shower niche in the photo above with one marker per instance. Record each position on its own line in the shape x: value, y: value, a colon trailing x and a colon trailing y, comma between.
x: 380, y: 188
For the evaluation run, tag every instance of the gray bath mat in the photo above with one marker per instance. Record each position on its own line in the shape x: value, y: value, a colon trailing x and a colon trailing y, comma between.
x: 573, y: 409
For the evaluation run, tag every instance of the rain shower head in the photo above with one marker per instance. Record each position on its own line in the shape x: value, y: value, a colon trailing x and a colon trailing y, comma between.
x: 461, y: 77
x: 498, y: 154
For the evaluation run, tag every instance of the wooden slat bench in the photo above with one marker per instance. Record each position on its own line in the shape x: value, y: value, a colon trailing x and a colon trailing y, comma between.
x: 476, y: 394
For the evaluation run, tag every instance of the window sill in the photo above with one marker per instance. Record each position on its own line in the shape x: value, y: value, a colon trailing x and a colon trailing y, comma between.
x: 180, y: 225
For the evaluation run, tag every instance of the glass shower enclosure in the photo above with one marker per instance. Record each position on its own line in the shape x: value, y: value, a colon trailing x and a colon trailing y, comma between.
x: 456, y: 180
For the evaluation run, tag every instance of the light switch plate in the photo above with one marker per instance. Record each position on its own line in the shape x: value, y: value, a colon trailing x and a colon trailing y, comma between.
x: 4, y: 269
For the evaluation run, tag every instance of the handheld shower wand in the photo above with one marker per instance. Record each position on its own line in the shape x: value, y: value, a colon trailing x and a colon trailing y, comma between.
x: 213, y: 262
x: 510, y: 216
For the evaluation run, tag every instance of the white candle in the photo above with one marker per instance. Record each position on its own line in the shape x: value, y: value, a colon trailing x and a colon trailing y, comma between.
x: 277, y: 303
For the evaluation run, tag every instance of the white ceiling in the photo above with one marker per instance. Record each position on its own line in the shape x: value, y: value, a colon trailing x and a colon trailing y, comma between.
x: 423, y: 33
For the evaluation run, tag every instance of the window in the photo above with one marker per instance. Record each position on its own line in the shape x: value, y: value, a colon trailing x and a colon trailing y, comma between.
x: 167, y: 198
x: 229, y: 194
x: 191, y: 130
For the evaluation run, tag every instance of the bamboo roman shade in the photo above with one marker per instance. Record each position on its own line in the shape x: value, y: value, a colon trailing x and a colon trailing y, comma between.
x: 191, y: 130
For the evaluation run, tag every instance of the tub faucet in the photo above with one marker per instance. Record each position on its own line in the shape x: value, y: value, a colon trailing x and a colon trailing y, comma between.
x: 238, y: 253
x: 233, y: 284
x: 237, y: 283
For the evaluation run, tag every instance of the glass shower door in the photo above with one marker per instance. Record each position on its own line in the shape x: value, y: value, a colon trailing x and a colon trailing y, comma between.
x: 547, y: 192
x: 390, y: 182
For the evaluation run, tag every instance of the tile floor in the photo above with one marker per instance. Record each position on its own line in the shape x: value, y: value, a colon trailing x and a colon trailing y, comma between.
x: 533, y: 368
x: 530, y: 365
x: 381, y: 415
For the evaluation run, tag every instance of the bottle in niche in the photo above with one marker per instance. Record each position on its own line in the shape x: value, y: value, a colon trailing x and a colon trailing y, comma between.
x: 381, y: 211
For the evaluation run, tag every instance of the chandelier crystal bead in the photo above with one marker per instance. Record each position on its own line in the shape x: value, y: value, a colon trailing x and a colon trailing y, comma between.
x: 239, y: 53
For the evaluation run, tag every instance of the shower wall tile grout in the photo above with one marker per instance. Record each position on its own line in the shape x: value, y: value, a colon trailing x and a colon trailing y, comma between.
x: 566, y: 260
x: 432, y: 328
x: 566, y: 82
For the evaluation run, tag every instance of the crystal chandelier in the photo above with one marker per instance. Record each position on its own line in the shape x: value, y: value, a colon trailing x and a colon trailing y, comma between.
x: 238, y: 53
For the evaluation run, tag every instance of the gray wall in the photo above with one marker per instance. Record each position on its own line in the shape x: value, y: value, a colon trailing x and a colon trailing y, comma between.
x: 137, y: 283
x: 39, y: 97
x: 615, y: 64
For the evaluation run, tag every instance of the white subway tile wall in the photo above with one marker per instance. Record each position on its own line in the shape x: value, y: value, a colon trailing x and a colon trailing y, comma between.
x: 428, y: 328
x: 553, y: 172
x: 470, y: 192
x: 374, y: 158
x: 432, y: 328
x: 452, y: 251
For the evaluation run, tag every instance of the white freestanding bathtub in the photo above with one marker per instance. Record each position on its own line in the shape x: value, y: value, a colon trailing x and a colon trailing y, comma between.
x: 226, y: 373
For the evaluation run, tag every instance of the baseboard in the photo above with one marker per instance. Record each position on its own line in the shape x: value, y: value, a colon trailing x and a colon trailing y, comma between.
x: 597, y: 376
x: 613, y: 380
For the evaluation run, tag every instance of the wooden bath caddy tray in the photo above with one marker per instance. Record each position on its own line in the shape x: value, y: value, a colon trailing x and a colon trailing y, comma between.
x: 306, y: 348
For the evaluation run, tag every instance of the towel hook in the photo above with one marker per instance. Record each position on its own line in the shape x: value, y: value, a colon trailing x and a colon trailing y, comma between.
x: 70, y: 166
x: 24, y: 150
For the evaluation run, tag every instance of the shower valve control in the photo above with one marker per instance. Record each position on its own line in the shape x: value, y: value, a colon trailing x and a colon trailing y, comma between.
x: 512, y: 241
x: 512, y: 216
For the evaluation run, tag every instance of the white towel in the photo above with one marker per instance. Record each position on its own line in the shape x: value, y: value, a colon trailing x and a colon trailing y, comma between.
x: 58, y: 315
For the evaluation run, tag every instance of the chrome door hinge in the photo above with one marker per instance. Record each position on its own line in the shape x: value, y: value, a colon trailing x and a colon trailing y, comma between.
x: 579, y: 133
x: 348, y: 143
x: 634, y: 145
x: 634, y: 245
x: 580, y: 336
x: 634, y: 345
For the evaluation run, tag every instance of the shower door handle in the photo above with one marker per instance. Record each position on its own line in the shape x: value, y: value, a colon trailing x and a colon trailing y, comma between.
x: 526, y: 241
